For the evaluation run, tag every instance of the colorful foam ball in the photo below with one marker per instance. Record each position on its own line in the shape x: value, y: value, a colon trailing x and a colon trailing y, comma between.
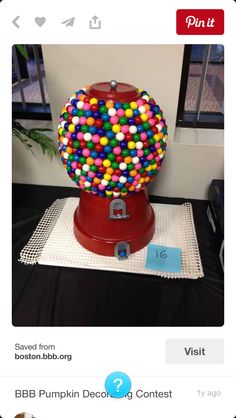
x: 112, y: 149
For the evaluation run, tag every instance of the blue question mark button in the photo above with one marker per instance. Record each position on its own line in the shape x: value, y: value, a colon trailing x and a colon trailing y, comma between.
x: 118, y: 384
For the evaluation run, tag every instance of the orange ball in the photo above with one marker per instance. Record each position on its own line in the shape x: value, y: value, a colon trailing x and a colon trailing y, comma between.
x: 133, y: 173
x: 128, y: 160
x: 109, y: 104
x: 90, y: 121
x: 109, y: 170
x: 90, y: 161
x: 69, y: 150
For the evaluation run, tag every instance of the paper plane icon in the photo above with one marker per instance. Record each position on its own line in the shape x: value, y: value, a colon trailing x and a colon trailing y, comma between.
x: 69, y: 22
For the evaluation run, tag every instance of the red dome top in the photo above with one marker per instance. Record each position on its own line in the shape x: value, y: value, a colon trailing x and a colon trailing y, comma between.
x: 119, y: 92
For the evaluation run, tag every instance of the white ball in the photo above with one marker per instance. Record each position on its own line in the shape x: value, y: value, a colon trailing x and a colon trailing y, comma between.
x: 161, y: 156
x: 142, y: 109
x: 133, y: 129
x: 65, y: 141
x: 87, y: 184
x: 62, y: 124
x: 80, y: 105
x: 123, y: 179
x: 75, y: 120
x: 159, y: 127
x: 145, y: 97
x: 86, y: 167
x: 77, y: 171
x: 116, y: 194
x: 138, y: 186
x: 67, y: 104
x: 104, y: 182
x: 122, y: 166
x: 66, y: 155
x: 87, y: 136
x: 135, y: 160
x: 112, y: 111
x: 120, y: 136
x: 139, y: 145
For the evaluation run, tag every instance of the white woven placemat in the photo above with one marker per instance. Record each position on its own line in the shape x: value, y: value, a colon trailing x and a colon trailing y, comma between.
x: 53, y: 242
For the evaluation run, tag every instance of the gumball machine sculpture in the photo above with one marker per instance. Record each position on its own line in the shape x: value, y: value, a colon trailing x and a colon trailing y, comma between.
x: 112, y: 141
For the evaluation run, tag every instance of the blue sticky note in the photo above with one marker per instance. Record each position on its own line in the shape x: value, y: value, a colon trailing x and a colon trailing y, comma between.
x: 163, y: 258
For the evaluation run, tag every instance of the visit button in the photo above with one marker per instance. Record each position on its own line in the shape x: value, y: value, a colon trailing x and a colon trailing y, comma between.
x: 194, y: 351
x: 200, y: 22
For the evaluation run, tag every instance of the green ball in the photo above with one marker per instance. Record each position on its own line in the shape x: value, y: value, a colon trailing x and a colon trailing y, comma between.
x: 113, y: 142
x: 115, y: 165
x: 141, y: 170
x: 112, y: 183
x: 84, y: 128
x: 64, y: 132
x: 80, y: 113
x: 151, y: 141
x: 146, y: 125
x: 107, y: 126
x: 130, y: 166
x: 84, y: 173
x: 94, y: 168
x: 124, y: 190
x: 71, y: 157
x: 65, y: 115
x: 152, y: 161
x: 82, y: 160
x: 126, y: 106
x: 146, y: 152
x: 125, y: 152
x: 136, y: 137
x: 123, y: 120
x: 76, y: 144
x: 111, y: 156
x: 102, y: 109
x: 90, y: 145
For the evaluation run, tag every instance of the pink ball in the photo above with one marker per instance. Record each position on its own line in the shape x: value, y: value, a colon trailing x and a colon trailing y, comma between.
x: 74, y: 164
x: 114, y: 120
x: 143, y: 136
x: 151, y: 122
x: 80, y: 136
x: 150, y: 114
x: 98, y: 162
x: 96, y: 139
x: 115, y: 178
x: 140, y: 102
x: 157, y: 145
x: 150, y: 157
x: 68, y: 135
x: 82, y: 120
x: 69, y: 109
x: 138, y: 166
x: 125, y: 129
x: 82, y: 186
x: 120, y: 112
x: 101, y: 187
x: 157, y: 158
x: 91, y: 174
x: 82, y: 178
x: 117, y: 150
x: 86, y: 106
x: 86, y: 152
x: 139, y: 153
x: 137, y: 177
x: 135, y: 182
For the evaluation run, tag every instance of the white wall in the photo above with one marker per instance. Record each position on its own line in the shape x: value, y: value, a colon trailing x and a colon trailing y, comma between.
x: 187, y: 170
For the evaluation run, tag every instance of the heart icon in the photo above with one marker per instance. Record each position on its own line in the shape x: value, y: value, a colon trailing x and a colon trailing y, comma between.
x: 40, y: 21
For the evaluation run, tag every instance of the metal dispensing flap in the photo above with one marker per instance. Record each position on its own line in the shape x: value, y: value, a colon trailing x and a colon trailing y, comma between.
x: 113, y: 90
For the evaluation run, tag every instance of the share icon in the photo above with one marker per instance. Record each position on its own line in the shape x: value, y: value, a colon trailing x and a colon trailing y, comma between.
x: 69, y: 22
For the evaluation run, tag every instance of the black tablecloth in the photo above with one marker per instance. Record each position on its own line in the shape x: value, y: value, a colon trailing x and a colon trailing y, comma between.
x: 58, y: 296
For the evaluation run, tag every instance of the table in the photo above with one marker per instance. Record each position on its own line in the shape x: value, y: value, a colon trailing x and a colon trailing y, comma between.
x: 58, y: 296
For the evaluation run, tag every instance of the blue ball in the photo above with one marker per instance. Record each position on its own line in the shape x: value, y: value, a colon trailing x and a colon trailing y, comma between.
x: 76, y: 157
x: 73, y: 136
x: 78, y: 127
x: 75, y: 112
x: 80, y: 92
x: 130, y: 179
x: 107, y: 149
x: 125, y: 173
x: 110, y: 135
x: 136, y: 112
x: 66, y: 126
x: 120, y: 185
x: 88, y: 113
x: 74, y: 102
x: 133, y: 152
x: 142, y: 160
x: 152, y: 148
x: 96, y: 115
x: 105, y: 117
x: 94, y: 154
x: 123, y: 144
x: 89, y: 179
x: 118, y: 105
x: 101, y: 103
x: 131, y: 121
x: 79, y: 152
x: 92, y: 130
x: 99, y: 175
x: 101, y: 132
x: 140, y: 129
x: 102, y: 155
x: 146, y: 164
x: 149, y: 133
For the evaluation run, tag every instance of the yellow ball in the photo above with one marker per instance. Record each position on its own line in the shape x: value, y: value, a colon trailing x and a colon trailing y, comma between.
x: 93, y: 101
x: 141, y: 180
x: 107, y: 177
x: 71, y: 128
x: 156, y: 137
x: 129, y: 113
x: 154, y: 166
x: 109, y: 192
x: 131, y: 145
x: 149, y: 168
x: 104, y: 140
x: 106, y: 163
x: 60, y: 131
x: 116, y: 128
x: 159, y: 151
x: 144, y: 117
x: 133, y: 105
x: 96, y: 180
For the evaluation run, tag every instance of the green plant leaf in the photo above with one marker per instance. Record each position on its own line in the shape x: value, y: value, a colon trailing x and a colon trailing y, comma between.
x: 23, y: 51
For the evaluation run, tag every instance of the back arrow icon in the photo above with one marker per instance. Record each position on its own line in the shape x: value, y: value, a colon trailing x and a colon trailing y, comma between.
x: 15, y: 20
